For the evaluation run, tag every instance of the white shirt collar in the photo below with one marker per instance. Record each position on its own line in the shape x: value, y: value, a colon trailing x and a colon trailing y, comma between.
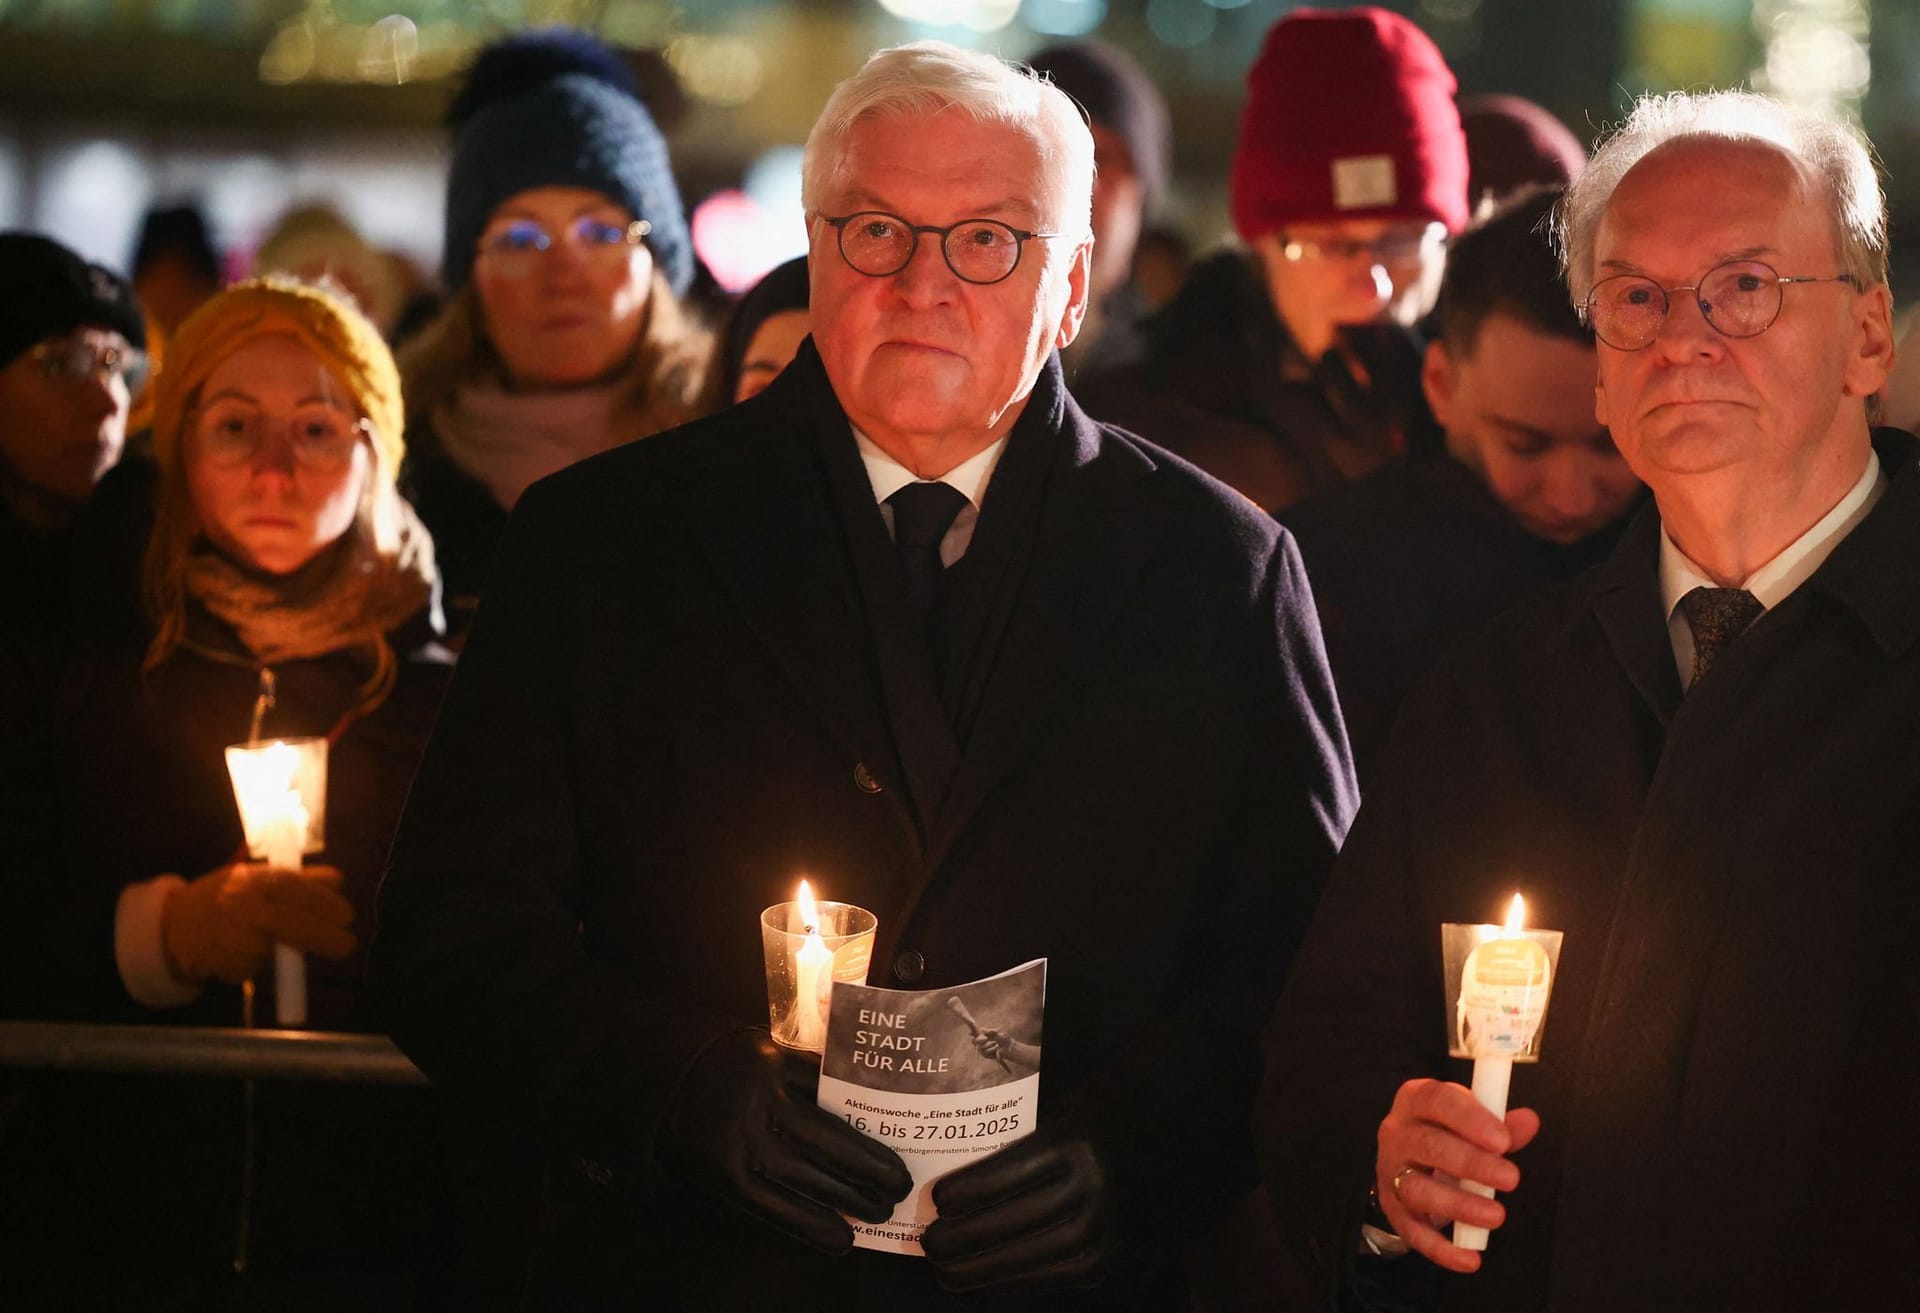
x: 1773, y: 582
x: 969, y: 478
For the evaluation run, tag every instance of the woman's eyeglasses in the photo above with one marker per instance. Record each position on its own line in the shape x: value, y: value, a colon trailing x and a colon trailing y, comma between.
x: 515, y: 249
x: 321, y: 438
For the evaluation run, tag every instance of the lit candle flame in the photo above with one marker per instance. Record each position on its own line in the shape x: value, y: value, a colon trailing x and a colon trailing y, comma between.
x: 1517, y: 915
x: 809, y: 914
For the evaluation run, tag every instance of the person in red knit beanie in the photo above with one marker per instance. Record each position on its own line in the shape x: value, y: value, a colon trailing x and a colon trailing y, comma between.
x: 1350, y: 172
x: 1348, y: 177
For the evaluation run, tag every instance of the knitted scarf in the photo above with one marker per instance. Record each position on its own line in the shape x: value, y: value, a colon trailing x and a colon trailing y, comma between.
x: 351, y: 596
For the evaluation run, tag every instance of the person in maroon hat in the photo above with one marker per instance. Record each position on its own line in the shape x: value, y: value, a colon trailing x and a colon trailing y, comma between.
x: 1292, y: 366
x: 1512, y: 143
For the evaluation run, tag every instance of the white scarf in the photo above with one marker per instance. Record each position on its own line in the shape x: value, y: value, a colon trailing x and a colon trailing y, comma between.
x: 509, y: 440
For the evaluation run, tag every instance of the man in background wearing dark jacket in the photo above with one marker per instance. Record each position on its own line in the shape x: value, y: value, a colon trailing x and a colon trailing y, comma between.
x: 1292, y: 367
x: 909, y: 624
x: 1527, y: 491
x: 1698, y: 762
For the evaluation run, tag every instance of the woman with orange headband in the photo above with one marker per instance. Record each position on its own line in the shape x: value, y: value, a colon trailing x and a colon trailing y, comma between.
x: 287, y: 590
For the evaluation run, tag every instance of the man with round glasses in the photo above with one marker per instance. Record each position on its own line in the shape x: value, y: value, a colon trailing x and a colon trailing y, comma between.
x: 71, y: 339
x: 910, y: 625
x: 1699, y: 762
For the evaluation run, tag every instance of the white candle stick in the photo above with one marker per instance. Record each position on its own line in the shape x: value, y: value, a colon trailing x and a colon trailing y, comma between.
x: 277, y: 823
x: 285, y: 839
x: 1491, y: 1078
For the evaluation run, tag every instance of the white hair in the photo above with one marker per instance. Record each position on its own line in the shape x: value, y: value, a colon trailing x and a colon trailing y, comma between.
x: 1835, y: 150
x: 927, y: 77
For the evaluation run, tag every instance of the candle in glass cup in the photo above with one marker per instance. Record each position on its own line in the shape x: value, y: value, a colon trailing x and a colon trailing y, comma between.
x: 810, y: 944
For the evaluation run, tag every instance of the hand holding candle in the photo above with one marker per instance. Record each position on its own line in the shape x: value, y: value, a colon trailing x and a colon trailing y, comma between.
x: 1498, y: 1004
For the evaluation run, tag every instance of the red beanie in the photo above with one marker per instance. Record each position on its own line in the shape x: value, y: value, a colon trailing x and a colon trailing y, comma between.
x: 1349, y: 115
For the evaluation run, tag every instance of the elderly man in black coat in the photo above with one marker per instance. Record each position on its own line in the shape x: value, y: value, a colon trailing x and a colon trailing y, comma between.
x: 1699, y: 762
x: 909, y: 624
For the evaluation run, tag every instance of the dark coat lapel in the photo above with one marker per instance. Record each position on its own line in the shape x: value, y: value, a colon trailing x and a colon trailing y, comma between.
x: 765, y: 515
x: 922, y: 734
x: 1626, y: 601
x: 1092, y: 534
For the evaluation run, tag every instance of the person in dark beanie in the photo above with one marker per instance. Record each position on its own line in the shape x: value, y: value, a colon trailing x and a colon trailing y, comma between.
x: 175, y: 266
x: 71, y: 340
x: 567, y: 252
x: 1133, y: 153
x: 1526, y: 491
x: 764, y: 332
x: 1293, y: 366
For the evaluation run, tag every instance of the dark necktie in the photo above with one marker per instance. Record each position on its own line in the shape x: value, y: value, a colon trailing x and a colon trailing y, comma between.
x: 922, y: 514
x: 1717, y: 616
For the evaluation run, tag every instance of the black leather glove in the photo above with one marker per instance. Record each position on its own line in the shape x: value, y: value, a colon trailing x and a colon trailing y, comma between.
x: 1041, y: 1214
x: 738, y: 1133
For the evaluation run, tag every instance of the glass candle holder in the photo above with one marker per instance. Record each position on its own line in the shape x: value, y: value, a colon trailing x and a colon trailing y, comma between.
x: 803, y: 962
x: 281, y: 787
x: 1498, y: 983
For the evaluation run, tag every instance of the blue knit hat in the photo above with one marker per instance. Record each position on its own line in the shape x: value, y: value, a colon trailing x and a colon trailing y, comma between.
x: 572, y: 131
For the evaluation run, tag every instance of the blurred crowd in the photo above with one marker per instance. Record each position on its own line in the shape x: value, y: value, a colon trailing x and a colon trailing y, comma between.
x: 274, y: 507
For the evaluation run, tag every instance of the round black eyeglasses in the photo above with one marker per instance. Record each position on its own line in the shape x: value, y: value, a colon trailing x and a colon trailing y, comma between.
x: 879, y: 245
x: 1740, y: 298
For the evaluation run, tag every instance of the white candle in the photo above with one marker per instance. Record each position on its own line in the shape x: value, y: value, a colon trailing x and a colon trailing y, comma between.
x: 270, y: 807
x: 1521, y: 1005
x: 813, y: 979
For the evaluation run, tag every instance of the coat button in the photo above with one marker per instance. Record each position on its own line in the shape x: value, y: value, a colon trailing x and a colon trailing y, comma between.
x: 909, y: 967
x: 863, y: 778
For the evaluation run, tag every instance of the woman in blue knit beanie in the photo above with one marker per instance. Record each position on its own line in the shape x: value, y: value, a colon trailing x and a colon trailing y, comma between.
x: 567, y: 253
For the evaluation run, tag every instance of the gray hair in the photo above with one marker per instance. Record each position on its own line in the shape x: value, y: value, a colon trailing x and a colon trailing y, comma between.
x: 926, y: 77
x: 1835, y: 150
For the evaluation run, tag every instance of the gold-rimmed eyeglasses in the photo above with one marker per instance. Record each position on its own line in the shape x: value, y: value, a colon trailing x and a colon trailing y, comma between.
x: 1738, y: 298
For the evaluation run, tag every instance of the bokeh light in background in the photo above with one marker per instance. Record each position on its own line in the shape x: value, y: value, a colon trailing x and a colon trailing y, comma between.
x: 92, y: 193
x: 1816, y: 51
x: 974, y: 15
x: 1064, y: 18
x: 252, y: 106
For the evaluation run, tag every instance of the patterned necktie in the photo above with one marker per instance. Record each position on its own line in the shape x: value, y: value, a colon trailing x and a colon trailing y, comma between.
x: 1717, y: 616
x: 922, y: 514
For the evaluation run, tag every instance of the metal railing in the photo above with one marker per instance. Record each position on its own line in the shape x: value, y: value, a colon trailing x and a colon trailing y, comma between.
x: 235, y: 1053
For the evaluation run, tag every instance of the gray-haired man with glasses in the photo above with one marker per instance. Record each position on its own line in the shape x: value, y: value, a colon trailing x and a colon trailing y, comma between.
x: 910, y: 625
x: 1700, y: 762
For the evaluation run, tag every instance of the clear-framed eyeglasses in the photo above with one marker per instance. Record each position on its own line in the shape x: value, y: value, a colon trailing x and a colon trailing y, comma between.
x: 879, y: 245
x: 230, y: 433
x: 514, y: 248
x: 1398, y: 246
x: 1739, y: 298
x: 74, y: 360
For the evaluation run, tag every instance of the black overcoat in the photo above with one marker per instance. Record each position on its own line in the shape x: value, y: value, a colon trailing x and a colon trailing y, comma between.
x: 1406, y: 560
x: 1731, y: 1062
x: 682, y: 694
